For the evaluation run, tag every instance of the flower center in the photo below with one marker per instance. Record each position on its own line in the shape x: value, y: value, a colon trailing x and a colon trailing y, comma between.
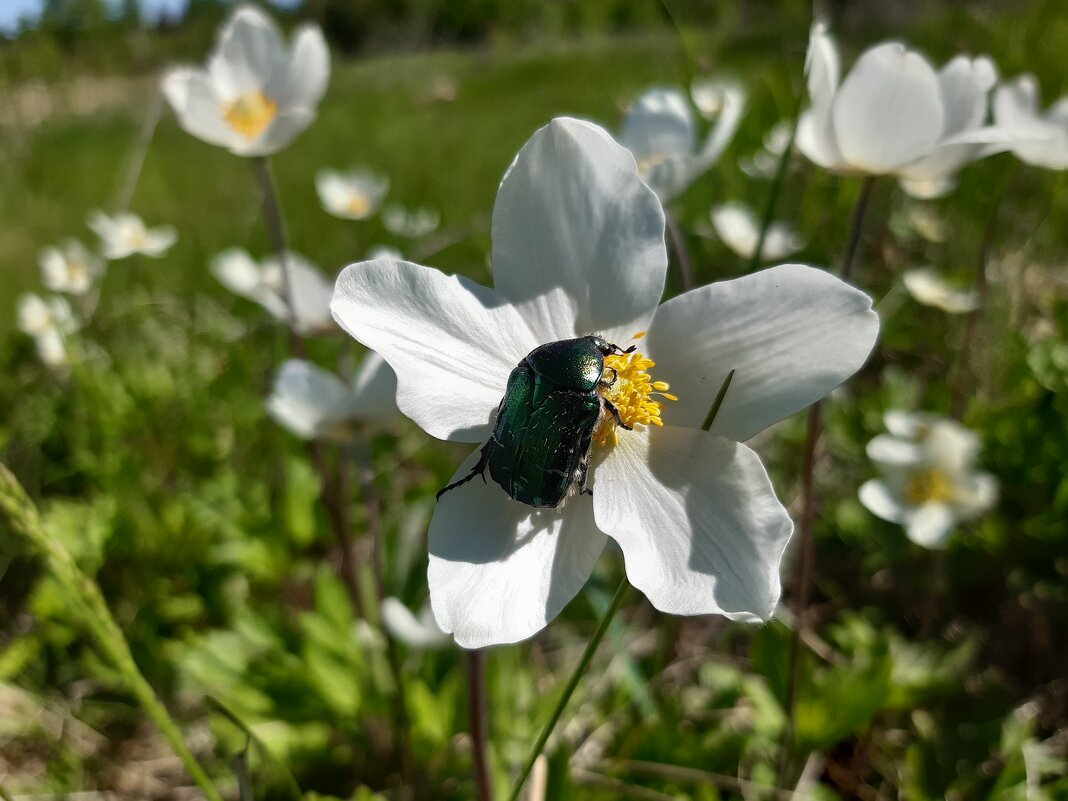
x: 627, y: 385
x: 358, y: 205
x: 928, y: 486
x: 250, y: 113
x: 646, y: 164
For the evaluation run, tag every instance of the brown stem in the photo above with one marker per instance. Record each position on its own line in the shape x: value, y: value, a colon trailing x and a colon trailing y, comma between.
x: 476, y: 696
x: 682, y: 255
x: 856, y: 226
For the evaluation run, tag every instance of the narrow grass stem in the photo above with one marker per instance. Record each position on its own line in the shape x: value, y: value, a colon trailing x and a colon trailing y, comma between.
x: 476, y: 698
x: 140, y: 151
x: 230, y: 715
x: 23, y: 518
x: 776, y: 186
x: 276, y: 229
x: 682, y: 253
x: 569, y: 688
x: 718, y: 402
x: 806, y: 563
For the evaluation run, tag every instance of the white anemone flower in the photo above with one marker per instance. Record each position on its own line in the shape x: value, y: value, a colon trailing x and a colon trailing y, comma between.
x: 308, y: 311
x: 928, y: 480
x: 69, y: 268
x: 256, y: 94
x: 578, y: 249
x: 1016, y: 108
x: 895, y: 115
x: 739, y: 229
x: 353, y: 195
x: 929, y: 288
x: 125, y: 234
x: 384, y: 252
x: 765, y: 162
x: 661, y: 133
x: 49, y: 321
x: 420, y: 632
x: 313, y: 403
x: 411, y: 224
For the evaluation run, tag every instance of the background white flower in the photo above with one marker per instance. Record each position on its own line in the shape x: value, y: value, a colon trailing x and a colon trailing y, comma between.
x: 578, y: 247
x: 931, y: 289
x: 895, y: 115
x: 661, y: 133
x: 765, y: 162
x: 264, y: 283
x: 384, y: 252
x: 1016, y: 109
x: 69, y: 268
x: 928, y: 481
x: 125, y: 234
x: 738, y: 228
x: 256, y: 94
x: 411, y: 224
x: 49, y: 321
x: 353, y: 195
x: 313, y: 403
x: 420, y: 632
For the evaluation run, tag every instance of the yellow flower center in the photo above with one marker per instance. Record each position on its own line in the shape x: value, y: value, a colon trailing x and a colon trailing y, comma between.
x: 928, y: 486
x: 627, y: 385
x: 250, y: 113
x: 358, y: 205
x: 647, y: 164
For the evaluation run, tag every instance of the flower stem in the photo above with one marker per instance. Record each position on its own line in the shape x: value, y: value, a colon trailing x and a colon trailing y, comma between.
x: 137, y: 159
x: 682, y: 255
x: 806, y: 563
x: 776, y: 186
x: 276, y: 229
x: 718, y: 402
x: 572, y: 683
x: 23, y: 518
x: 476, y: 698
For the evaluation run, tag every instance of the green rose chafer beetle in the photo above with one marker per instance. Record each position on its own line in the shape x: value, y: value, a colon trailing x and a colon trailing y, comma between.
x: 539, y: 449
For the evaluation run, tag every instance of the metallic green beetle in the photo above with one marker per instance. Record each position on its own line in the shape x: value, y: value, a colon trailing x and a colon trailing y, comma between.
x: 540, y: 446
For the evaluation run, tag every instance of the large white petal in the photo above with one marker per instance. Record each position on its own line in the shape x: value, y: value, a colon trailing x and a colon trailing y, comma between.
x: 418, y: 633
x: 965, y: 83
x: 815, y: 131
x: 791, y: 333
x: 501, y: 570
x: 878, y: 499
x: 249, y: 56
x: 192, y: 96
x: 308, y: 70
x: 888, y: 111
x: 929, y: 525
x: 374, y: 389
x: 697, y: 519
x: 659, y: 123
x: 451, y: 342
x: 578, y: 239
x: 307, y: 399
x: 283, y: 129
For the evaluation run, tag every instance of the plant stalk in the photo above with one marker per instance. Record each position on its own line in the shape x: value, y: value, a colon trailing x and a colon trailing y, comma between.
x: 682, y: 254
x: 776, y: 187
x: 476, y: 698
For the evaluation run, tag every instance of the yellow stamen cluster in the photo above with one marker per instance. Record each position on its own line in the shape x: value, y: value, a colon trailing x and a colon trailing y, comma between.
x: 928, y: 486
x: 627, y: 385
x: 250, y: 113
x: 358, y: 205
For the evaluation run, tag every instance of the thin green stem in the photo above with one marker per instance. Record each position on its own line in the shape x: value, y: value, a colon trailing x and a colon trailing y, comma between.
x: 23, y: 518
x: 230, y: 715
x: 682, y: 253
x: 572, y: 683
x: 776, y: 186
x: 718, y: 402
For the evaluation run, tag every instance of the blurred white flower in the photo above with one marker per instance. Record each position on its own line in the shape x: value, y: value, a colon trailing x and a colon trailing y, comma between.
x: 49, y: 321
x: 353, y: 195
x: 931, y: 289
x: 384, y: 252
x: 420, y: 632
x: 313, y: 403
x: 69, y: 268
x: 1016, y: 108
x: 265, y: 283
x: 661, y: 133
x: 411, y: 224
x: 765, y: 162
x: 578, y: 248
x: 256, y: 94
x: 125, y: 234
x: 739, y: 229
x: 928, y: 478
x: 895, y: 115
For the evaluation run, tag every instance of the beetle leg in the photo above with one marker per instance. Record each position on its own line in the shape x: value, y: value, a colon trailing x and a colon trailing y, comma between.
x: 620, y: 351
x: 478, y: 470
x: 615, y: 377
x: 584, y: 472
x: 615, y: 413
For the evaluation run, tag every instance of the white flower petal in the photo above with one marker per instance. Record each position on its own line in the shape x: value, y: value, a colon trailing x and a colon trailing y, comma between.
x: 697, y: 519
x: 309, y: 69
x: 192, y: 96
x: 877, y: 498
x: 739, y: 229
x: 281, y: 132
x: 815, y: 131
x: 250, y: 54
x: 964, y: 83
x: 501, y: 570
x: 308, y: 400
x: 888, y: 111
x: 889, y: 451
x: 659, y: 124
x: 721, y: 134
x: 975, y: 495
x: 418, y: 633
x: 573, y: 222
x: 930, y: 289
x: 311, y: 292
x: 909, y: 425
x: 791, y: 333
x: 451, y: 342
x: 374, y: 389
x: 1016, y: 109
x: 34, y: 315
x: 159, y: 240
x: 929, y: 525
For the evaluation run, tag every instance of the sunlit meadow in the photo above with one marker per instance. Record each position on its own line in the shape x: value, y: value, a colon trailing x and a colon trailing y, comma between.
x: 781, y: 513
